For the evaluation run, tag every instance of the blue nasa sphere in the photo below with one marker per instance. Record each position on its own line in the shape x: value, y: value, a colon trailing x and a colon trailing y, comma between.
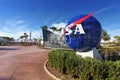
x: 84, y: 42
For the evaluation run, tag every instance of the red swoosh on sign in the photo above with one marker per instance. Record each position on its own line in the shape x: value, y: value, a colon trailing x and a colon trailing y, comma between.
x: 79, y: 21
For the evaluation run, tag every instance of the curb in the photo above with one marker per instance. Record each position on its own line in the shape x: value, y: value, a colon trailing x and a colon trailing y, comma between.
x: 49, y: 73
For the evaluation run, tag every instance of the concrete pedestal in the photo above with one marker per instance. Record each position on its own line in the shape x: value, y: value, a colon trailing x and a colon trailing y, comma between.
x: 92, y: 53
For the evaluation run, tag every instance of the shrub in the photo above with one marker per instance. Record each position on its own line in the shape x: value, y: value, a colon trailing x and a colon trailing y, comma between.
x: 113, y: 70
x: 67, y: 62
x: 110, y: 53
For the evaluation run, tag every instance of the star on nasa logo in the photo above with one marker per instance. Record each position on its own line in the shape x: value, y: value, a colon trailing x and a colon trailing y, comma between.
x: 78, y: 26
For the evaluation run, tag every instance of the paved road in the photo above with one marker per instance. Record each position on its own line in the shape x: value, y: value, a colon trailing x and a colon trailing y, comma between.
x: 23, y: 63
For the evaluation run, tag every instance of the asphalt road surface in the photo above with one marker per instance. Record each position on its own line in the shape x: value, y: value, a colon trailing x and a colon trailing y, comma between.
x: 23, y: 63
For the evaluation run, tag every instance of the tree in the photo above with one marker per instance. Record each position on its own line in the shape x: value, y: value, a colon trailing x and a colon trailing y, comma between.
x: 54, y: 28
x: 44, y: 27
x: 35, y: 40
x: 59, y: 29
x: 25, y: 36
x: 12, y: 39
x: 40, y: 40
x: 8, y: 39
x: 21, y: 37
x: 105, y: 35
x: 117, y: 39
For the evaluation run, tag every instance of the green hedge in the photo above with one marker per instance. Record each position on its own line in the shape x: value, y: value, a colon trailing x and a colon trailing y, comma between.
x: 112, y: 49
x: 110, y: 53
x: 67, y: 62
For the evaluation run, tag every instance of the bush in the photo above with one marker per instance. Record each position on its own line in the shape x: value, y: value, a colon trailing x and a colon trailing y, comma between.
x: 57, y: 59
x: 112, y: 70
x: 67, y: 62
x: 110, y: 53
x: 39, y: 45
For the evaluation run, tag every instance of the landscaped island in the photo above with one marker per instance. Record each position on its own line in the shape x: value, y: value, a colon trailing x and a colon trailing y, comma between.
x: 68, y: 63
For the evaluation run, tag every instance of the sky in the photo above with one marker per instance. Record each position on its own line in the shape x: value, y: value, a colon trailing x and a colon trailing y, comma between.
x: 25, y: 16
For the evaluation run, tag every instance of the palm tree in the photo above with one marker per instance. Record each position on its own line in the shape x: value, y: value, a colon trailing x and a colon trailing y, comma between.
x: 59, y: 29
x: 25, y: 36
x: 35, y: 40
x: 44, y: 27
x: 54, y: 28
x: 8, y: 39
x: 21, y: 37
x: 12, y: 39
x: 105, y: 35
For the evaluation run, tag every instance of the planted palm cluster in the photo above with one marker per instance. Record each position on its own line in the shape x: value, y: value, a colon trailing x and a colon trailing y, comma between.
x: 68, y: 63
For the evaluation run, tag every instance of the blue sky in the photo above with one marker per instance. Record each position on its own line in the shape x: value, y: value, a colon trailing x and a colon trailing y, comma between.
x: 19, y: 16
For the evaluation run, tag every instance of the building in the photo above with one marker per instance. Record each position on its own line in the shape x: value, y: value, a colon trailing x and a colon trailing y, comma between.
x: 53, y: 40
x: 2, y: 41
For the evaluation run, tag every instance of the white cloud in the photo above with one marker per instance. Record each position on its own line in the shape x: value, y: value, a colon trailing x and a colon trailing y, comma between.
x: 6, y: 29
x: 20, y: 21
x: 113, y: 29
x: 106, y: 8
x: 59, y: 25
x: 2, y: 33
x: 113, y: 33
x: 15, y: 28
x: 101, y: 10
x: 47, y: 20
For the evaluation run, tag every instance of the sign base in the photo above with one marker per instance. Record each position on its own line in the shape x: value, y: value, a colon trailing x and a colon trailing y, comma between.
x: 92, y: 53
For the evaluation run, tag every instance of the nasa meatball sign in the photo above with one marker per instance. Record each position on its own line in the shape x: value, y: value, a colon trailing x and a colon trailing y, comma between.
x: 82, y: 33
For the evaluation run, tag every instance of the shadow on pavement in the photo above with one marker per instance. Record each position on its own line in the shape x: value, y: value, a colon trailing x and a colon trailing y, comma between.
x: 4, y: 79
x: 9, y: 49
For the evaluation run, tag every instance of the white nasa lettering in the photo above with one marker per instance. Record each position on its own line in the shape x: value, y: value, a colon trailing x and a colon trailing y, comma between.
x: 79, y: 28
x: 68, y: 30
